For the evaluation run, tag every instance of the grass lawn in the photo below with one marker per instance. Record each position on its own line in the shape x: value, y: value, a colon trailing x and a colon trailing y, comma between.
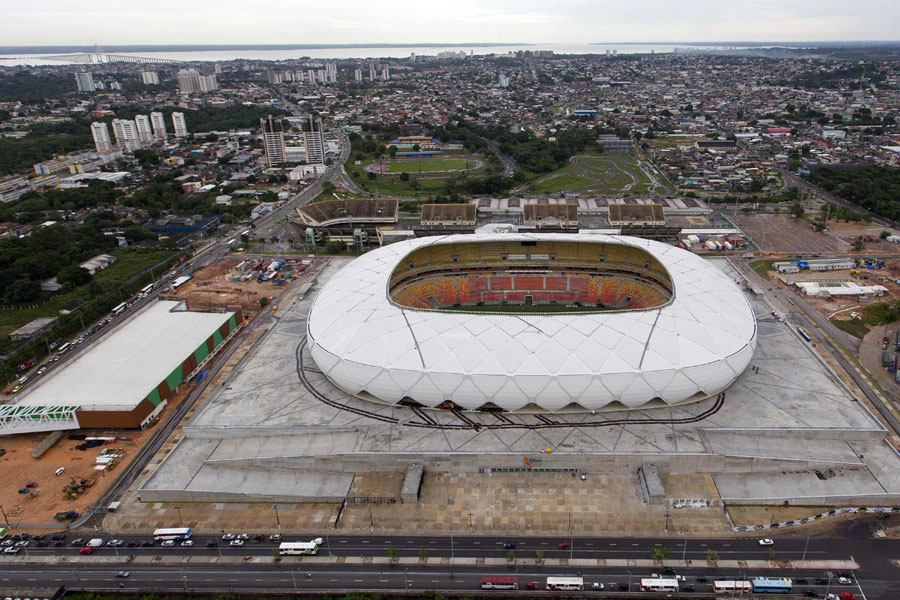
x: 429, y: 165
x: 762, y: 267
x: 855, y: 327
x: 566, y: 180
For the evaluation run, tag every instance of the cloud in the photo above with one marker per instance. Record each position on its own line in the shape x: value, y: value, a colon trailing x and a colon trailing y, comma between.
x: 53, y: 22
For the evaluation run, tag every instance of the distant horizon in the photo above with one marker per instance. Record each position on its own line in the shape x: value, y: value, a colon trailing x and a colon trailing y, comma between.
x: 40, y: 49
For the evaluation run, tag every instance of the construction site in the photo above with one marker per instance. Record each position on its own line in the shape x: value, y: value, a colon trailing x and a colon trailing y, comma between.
x: 240, y: 281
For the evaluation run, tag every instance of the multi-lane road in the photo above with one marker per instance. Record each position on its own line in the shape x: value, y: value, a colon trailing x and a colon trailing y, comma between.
x: 253, y: 566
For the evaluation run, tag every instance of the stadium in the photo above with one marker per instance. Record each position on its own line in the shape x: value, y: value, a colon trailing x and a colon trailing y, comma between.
x: 531, y: 322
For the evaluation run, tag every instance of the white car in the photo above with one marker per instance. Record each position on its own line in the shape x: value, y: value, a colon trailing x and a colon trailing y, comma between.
x: 236, y: 543
x: 187, y: 543
x: 766, y: 542
x: 168, y: 543
x: 12, y: 550
x: 596, y: 586
x: 844, y: 580
x: 228, y: 536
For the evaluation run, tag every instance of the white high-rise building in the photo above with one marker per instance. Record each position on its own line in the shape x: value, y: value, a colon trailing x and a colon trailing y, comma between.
x: 102, y: 141
x: 126, y: 133
x: 144, y: 131
x: 503, y: 81
x: 386, y: 73
x: 273, y: 140
x: 85, y: 82
x: 357, y: 75
x: 330, y: 72
x: 208, y: 83
x: 158, y: 120
x: 315, y: 141
x: 179, y: 125
x: 217, y: 68
x: 311, y: 76
x: 371, y: 71
x: 188, y: 81
x: 150, y: 78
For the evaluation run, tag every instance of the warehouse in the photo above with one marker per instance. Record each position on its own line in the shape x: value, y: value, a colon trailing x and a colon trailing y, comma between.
x: 127, y: 377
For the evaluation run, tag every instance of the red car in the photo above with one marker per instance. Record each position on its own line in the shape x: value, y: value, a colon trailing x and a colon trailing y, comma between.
x: 86, y: 550
x: 531, y: 585
x: 563, y: 545
x: 848, y: 596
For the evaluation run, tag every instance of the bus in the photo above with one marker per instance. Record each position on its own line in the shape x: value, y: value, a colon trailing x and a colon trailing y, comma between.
x: 763, y: 585
x: 172, y: 533
x: 147, y: 289
x: 499, y: 583
x: 292, y: 548
x: 118, y: 308
x: 63, y: 348
x: 730, y: 587
x: 565, y: 583
x: 230, y: 242
x: 659, y: 584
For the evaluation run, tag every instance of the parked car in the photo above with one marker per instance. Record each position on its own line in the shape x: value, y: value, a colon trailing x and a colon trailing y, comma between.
x: 12, y: 550
x: 115, y: 543
x: 228, y: 536
x: 844, y: 580
x: 847, y: 596
x: 532, y: 585
x: 596, y: 586
x: 275, y: 537
x: 236, y: 543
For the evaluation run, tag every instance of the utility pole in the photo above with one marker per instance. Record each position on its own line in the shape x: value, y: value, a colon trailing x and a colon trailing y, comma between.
x: 806, y: 545
x: 5, y: 518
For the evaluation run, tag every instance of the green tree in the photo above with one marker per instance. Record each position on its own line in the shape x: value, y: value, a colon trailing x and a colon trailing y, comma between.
x: 392, y: 151
x: 885, y: 234
x: 392, y: 554
x: 660, y: 554
x: 858, y: 245
x: 797, y: 210
x: 404, y: 176
x: 328, y: 187
x: 539, y: 554
x: 770, y: 553
x: 371, y: 175
x: 712, y: 556
x: 334, y: 247
x: 423, y: 552
x: 73, y: 276
x: 263, y: 301
x: 22, y: 291
x: 511, y: 556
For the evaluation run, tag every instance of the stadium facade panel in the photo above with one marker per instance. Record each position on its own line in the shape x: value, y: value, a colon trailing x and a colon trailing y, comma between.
x: 692, y: 346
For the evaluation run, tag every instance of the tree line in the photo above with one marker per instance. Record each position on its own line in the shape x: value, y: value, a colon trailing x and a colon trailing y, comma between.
x: 874, y: 187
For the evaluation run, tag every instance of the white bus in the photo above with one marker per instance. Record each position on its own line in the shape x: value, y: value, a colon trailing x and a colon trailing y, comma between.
x: 118, y: 308
x: 172, y: 533
x: 730, y: 587
x: 659, y: 584
x: 499, y: 583
x: 230, y: 242
x: 63, y: 348
x: 565, y: 583
x: 290, y: 548
x: 147, y: 288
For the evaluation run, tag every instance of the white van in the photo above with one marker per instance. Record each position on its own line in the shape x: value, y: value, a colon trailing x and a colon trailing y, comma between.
x: 94, y: 543
x: 59, y: 471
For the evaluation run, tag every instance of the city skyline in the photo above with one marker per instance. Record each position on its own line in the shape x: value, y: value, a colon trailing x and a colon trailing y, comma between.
x: 492, y: 21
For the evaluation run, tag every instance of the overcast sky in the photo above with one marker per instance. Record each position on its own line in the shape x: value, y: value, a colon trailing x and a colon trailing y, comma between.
x: 78, y: 22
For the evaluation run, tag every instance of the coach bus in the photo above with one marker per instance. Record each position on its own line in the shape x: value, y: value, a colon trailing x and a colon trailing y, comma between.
x: 565, y: 583
x: 659, y: 584
x: 172, y: 533
x: 730, y: 587
x: 295, y: 548
x: 147, y: 289
x: 762, y: 585
x: 119, y: 308
x: 499, y: 583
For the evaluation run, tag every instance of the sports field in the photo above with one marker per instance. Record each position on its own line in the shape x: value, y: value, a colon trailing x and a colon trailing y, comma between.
x: 429, y: 165
x: 603, y: 174
x: 528, y: 308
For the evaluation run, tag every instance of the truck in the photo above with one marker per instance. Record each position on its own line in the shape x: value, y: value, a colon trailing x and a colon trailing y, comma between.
x: 94, y: 543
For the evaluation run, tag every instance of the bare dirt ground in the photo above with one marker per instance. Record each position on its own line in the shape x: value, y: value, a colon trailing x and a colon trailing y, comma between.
x: 19, y: 469
x: 214, y: 285
x: 850, y: 231
x: 784, y: 233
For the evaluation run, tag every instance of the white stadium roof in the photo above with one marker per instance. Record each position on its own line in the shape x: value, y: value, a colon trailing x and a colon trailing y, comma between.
x: 691, y: 348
